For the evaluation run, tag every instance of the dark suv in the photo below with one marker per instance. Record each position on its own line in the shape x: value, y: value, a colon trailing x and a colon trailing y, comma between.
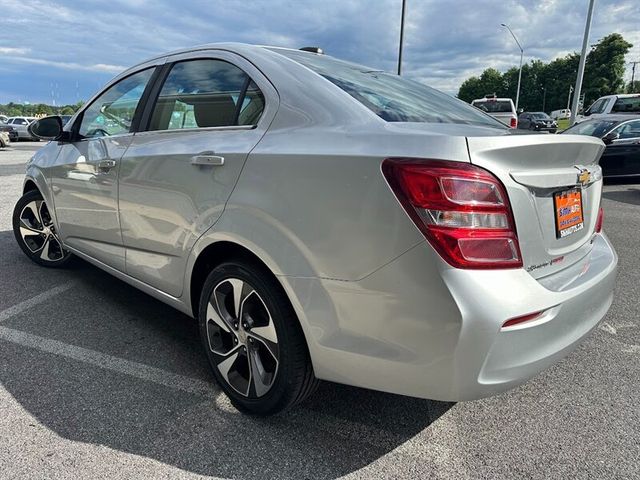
x: 537, y: 121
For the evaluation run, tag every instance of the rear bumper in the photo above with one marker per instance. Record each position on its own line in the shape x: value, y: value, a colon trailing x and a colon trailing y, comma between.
x: 420, y: 328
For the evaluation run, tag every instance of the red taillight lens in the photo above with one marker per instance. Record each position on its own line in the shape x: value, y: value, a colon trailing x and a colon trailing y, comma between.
x: 514, y: 123
x: 600, y: 220
x: 461, y: 209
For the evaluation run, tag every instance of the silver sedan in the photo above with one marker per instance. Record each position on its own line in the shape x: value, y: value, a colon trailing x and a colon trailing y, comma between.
x: 325, y: 220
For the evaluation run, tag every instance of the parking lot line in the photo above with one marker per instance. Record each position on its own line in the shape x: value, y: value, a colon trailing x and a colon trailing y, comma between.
x: 32, y: 302
x: 109, y: 362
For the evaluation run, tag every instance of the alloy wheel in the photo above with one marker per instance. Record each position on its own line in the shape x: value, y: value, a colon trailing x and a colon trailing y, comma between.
x: 38, y: 232
x: 242, y: 337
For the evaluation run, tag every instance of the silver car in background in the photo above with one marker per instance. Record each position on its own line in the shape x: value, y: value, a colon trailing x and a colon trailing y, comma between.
x: 21, y: 125
x: 324, y: 220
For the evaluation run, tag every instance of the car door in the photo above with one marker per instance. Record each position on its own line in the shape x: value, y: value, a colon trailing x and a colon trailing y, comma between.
x: 207, y: 114
x: 84, y: 175
x: 622, y: 156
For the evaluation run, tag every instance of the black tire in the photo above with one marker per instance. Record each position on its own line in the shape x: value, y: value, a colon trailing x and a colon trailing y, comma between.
x: 43, y: 232
x: 293, y: 379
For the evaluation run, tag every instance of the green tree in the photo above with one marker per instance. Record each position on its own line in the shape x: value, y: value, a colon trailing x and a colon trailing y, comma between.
x: 489, y: 82
x: 604, y: 70
x: 549, y: 83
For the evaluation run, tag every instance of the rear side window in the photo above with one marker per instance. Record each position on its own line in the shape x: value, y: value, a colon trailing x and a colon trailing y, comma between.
x: 392, y: 98
x: 626, y: 105
x: 206, y: 93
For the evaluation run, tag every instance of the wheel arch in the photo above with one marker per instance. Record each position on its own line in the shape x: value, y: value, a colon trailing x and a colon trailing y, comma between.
x: 222, y: 250
x: 29, y: 185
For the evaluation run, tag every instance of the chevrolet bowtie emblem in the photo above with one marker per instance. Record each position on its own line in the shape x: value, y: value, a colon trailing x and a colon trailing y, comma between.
x: 584, y: 176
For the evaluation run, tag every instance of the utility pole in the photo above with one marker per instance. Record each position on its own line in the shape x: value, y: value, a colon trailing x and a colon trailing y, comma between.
x: 569, y: 97
x: 544, y: 97
x: 583, y: 59
x: 404, y: 5
x: 633, y: 76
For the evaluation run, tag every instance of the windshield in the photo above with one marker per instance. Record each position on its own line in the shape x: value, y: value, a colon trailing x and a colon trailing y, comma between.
x: 493, y: 106
x: 595, y: 128
x: 540, y: 116
x: 392, y: 98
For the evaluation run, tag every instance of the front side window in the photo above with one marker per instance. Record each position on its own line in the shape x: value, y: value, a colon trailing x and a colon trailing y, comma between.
x: 19, y: 121
x: 391, y: 97
x: 113, y: 111
x: 629, y: 129
x: 598, y: 107
x: 206, y: 93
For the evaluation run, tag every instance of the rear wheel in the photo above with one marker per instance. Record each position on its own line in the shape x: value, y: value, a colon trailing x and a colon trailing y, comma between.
x: 253, y: 340
x: 35, y: 232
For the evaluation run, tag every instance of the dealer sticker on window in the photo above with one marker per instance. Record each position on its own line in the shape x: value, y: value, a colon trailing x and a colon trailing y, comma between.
x: 568, y: 212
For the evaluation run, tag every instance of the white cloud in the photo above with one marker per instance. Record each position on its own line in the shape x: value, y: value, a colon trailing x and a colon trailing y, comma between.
x: 14, y: 51
x: 445, y: 42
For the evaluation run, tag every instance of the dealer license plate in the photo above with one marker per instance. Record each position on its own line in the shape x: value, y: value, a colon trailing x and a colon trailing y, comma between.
x: 568, y: 212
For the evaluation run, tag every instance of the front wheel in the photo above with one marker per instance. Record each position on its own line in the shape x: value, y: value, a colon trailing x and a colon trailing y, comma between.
x: 35, y: 232
x: 253, y: 340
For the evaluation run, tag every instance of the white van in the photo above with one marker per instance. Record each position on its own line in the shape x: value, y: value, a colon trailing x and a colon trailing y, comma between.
x: 561, y: 114
x: 501, y: 109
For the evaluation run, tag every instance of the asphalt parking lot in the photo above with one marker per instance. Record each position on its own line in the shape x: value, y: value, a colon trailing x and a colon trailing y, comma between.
x: 99, y: 380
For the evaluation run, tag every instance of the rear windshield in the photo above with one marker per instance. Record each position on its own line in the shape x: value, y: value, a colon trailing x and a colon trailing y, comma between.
x: 493, y: 106
x: 595, y: 128
x: 392, y: 98
x: 627, y: 105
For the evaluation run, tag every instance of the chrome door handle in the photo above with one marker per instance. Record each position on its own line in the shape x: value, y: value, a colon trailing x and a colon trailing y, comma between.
x: 106, y: 165
x: 211, y: 160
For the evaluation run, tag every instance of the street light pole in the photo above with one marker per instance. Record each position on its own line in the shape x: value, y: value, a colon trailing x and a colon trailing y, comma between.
x: 521, y: 55
x: 404, y: 4
x: 583, y: 59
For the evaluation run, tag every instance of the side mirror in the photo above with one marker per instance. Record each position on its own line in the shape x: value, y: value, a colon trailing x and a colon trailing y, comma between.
x: 47, y: 128
x: 610, y: 137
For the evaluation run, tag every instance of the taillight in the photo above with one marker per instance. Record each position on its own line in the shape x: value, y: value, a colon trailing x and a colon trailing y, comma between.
x: 514, y: 123
x: 600, y: 220
x: 461, y: 209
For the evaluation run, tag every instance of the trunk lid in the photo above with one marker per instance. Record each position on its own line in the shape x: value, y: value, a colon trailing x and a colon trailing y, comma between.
x: 533, y: 168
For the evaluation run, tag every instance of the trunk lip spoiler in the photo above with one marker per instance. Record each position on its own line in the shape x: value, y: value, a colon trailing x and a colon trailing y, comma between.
x: 559, y: 177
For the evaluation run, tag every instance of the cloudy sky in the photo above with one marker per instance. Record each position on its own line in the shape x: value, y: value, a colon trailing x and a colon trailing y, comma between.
x: 65, y: 50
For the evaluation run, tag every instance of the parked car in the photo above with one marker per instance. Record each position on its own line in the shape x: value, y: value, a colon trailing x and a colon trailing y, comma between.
x: 560, y: 114
x: 20, y: 125
x: 501, y: 109
x: 324, y: 220
x: 621, y: 135
x: 4, y: 139
x: 612, y: 104
x: 537, y: 121
x: 11, y: 132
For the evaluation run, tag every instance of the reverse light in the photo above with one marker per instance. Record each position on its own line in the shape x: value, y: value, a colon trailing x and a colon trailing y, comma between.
x: 461, y: 209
